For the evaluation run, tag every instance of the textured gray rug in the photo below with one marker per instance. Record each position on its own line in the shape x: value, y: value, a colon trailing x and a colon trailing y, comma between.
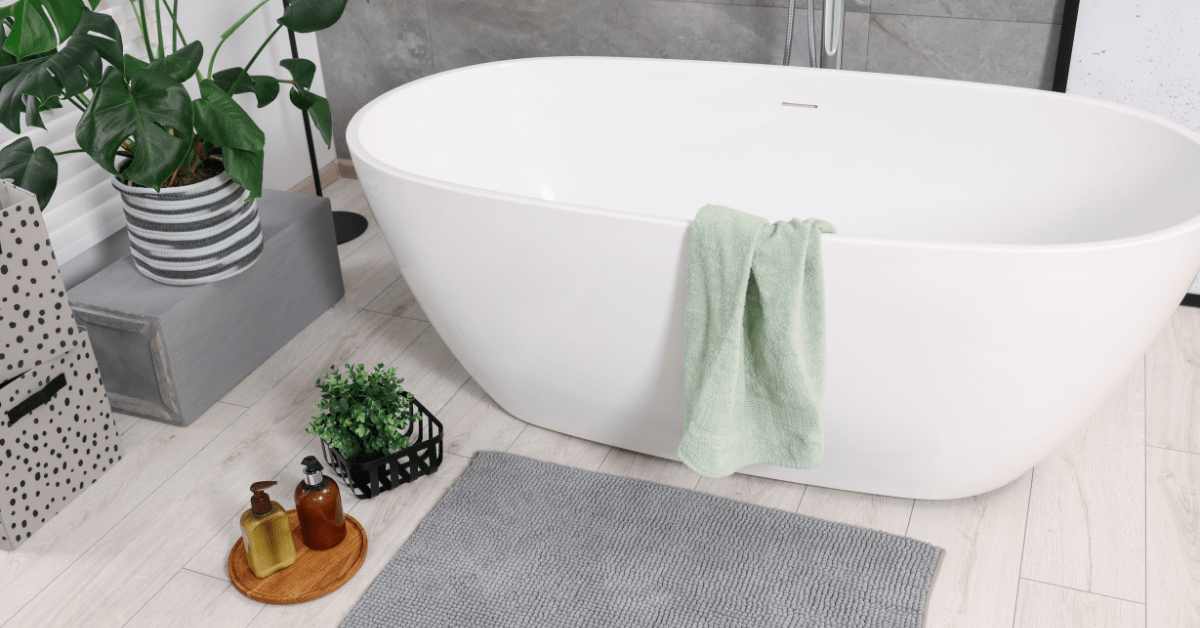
x: 520, y: 542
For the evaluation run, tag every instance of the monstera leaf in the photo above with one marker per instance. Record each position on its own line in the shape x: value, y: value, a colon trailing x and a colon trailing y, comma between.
x: 153, y: 110
x: 32, y: 170
x: 37, y: 24
x: 310, y: 16
x: 66, y: 73
x: 265, y: 88
x: 182, y: 63
x: 223, y: 122
x: 220, y: 120
x: 178, y: 65
x: 5, y: 57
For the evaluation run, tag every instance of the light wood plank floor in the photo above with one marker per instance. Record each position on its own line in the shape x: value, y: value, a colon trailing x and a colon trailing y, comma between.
x: 1105, y: 533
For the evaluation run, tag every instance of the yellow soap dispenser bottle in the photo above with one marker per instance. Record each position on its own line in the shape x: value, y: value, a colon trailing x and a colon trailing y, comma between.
x: 267, y: 533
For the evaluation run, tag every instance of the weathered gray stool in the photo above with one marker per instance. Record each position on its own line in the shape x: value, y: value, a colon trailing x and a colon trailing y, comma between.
x: 169, y: 353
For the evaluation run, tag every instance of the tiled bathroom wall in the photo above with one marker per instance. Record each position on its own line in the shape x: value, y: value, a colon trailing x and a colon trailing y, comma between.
x: 384, y: 43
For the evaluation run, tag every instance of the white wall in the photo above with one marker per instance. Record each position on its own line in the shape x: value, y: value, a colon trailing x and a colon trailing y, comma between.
x: 1141, y: 53
x: 86, y: 209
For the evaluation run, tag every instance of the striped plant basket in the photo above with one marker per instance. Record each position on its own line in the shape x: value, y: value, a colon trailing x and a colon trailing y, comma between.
x: 192, y: 234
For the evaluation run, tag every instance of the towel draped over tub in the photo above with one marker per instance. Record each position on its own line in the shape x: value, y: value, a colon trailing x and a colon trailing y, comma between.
x: 755, y: 342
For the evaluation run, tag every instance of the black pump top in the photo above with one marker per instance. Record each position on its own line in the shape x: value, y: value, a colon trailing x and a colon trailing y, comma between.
x: 311, y: 465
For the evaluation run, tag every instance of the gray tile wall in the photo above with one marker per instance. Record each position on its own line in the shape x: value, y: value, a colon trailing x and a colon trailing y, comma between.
x: 381, y: 44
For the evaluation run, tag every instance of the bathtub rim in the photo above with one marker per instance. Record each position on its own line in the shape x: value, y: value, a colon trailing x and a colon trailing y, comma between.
x: 358, y: 151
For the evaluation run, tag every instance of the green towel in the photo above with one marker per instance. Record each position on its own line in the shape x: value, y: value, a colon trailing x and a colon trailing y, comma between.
x: 755, y: 342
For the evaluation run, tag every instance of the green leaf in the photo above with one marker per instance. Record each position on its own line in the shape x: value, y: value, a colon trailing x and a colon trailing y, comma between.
x: 220, y: 120
x: 302, y: 71
x: 33, y: 116
x: 318, y: 108
x: 39, y: 25
x: 143, y: 109
x: 5, y: 57
x: 310, y: 16
x: 132, y: 66
x: 266, y: 89
x: 68, y: 72
x: 372, y: 406
x: 224, y: 79
x: 182, y: 63
x: 245, y: 168
x: 33, y: 170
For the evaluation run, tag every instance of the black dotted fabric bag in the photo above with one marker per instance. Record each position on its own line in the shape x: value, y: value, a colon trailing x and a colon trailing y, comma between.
x: 57, y: 434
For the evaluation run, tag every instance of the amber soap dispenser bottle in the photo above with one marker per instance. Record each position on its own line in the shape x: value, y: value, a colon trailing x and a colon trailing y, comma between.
x: 319, y: 507
x: 267, y: 533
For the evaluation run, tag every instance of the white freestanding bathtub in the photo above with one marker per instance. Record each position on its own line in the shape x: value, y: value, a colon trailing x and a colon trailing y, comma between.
x: 1003, y: 257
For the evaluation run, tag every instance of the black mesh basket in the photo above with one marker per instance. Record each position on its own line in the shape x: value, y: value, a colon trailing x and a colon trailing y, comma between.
x: 423, y: 456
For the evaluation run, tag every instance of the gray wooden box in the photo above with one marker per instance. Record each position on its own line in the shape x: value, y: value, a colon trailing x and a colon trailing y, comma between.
x: 169, y: 353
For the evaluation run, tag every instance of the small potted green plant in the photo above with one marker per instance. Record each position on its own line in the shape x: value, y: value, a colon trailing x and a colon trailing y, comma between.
x: 375, y: 434
x: 188, y: 163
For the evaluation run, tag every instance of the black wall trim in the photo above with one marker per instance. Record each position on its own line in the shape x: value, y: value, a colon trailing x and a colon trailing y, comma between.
x: 1066, y: 41
x: 1191, y: 300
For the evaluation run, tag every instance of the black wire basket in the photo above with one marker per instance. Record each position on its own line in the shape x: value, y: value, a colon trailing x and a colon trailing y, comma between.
x: 423, y: 456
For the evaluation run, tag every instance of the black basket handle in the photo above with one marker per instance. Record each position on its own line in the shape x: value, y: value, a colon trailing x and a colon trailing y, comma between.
x: 37, y: 399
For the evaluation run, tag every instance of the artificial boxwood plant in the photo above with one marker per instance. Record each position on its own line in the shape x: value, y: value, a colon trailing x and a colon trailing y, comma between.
x: 363, y: 413
x: 57, y: 53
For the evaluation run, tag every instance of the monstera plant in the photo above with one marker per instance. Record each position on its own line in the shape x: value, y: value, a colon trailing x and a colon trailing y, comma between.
x: 140, y: 122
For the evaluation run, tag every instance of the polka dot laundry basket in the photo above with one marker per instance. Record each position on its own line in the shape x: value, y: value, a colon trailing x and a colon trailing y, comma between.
x: 57, y: 434
x: 192, y: 234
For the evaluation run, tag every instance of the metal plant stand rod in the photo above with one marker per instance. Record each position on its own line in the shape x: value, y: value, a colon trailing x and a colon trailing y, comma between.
x: 346, y: 225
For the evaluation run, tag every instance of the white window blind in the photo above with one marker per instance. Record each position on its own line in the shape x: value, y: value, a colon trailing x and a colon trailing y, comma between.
x: 85, y: 208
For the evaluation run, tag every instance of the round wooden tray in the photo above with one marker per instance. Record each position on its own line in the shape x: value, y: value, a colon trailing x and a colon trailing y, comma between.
x: 313, y: 575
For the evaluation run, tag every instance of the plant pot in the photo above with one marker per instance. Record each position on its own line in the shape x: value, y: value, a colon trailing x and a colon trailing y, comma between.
x: 369, y: 478
x: 192, y: 234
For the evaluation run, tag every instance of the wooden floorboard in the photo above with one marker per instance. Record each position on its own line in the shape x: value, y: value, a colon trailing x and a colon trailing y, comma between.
x: 1173, y: 384
x: 475, y: 423
x: 192, y: 600
x: 976, y: 585
x: 1041, y: 605
x: 755, y: 490
x: 1087, y: 528
x: 1173, y: 538
x: 430, y: 371
x: 889, y: 514
x: 543, y: 444
x: 634, y: 465
x: 398, y: 300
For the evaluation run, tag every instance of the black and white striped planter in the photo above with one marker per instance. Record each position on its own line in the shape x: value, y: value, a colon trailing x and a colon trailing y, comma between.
x: 192, y: 234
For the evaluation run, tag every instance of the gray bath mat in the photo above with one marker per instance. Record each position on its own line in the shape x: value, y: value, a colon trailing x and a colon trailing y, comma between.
x: 523, y: 543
